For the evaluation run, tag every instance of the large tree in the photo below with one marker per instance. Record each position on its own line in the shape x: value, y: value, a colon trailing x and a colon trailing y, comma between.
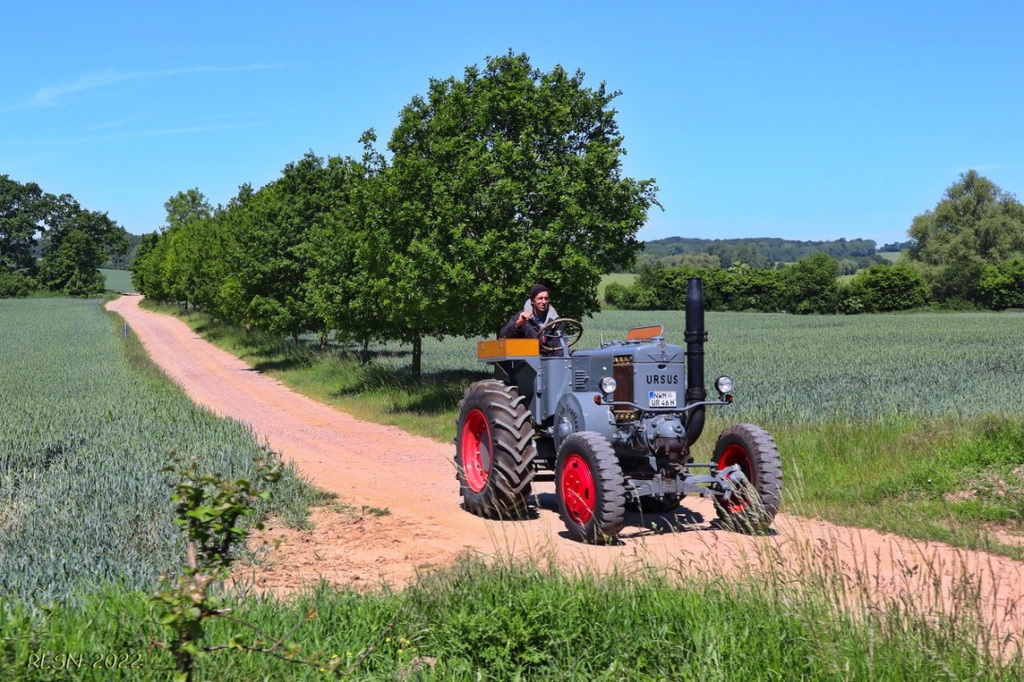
x: 507, y: 177
x: 341, y: 251
x: 22, y: 208
x: 185, y: 207
x: 145, y: 267
x: 974, y: 225
x: 76, y: 242
x: 270, y: 249
x: 174, y: 264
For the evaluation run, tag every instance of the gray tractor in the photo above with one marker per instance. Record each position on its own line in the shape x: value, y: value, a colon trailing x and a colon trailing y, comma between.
x: 615, y: 424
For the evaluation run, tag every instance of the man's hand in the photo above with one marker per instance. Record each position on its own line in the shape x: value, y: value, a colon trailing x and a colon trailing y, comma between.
x: 523, y: 317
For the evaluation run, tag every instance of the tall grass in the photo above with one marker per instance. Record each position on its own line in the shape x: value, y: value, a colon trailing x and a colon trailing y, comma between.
x: 508, y: 621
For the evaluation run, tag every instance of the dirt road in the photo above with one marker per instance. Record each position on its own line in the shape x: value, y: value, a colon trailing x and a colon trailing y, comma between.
x: 374, y: 466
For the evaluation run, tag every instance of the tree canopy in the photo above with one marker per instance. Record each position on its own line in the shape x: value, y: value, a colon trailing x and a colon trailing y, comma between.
x: 504, y: 178
x: 757, y: 252
x: 976, y: 224
x: 52, y: 241
x: 22, y: 207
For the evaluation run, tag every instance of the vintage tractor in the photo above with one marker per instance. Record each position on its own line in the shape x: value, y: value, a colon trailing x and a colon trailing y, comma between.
x: 615, y: 424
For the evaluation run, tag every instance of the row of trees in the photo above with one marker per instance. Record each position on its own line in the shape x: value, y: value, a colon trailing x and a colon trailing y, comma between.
x: 51, y: 242
x: 758, y: 252
x: 723, y: 256
x: 507, y: 177
x: 811, y: 285
x: 968, y: 251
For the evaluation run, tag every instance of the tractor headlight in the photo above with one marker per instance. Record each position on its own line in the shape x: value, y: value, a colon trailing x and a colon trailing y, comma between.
x: 608, y: 385
x: 723, y: 384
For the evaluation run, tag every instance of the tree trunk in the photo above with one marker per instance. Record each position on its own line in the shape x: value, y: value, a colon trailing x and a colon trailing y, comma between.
x: 417, y: 357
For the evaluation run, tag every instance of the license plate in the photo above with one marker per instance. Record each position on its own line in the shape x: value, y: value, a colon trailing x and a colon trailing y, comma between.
x: 661, y: 399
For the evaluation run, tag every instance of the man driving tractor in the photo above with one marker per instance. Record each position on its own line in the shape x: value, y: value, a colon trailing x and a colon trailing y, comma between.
x: 536, y: 312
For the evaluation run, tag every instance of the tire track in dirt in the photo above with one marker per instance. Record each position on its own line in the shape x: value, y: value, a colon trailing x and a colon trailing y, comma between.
x: 370, y: 465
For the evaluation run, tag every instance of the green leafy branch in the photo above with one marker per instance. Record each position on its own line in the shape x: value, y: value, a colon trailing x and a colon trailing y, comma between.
x: 210, y: 510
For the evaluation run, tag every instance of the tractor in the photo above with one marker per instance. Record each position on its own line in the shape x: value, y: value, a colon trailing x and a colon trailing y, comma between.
x: 615, y: 424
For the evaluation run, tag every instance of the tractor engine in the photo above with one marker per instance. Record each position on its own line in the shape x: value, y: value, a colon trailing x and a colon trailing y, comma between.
x: 648, y: 394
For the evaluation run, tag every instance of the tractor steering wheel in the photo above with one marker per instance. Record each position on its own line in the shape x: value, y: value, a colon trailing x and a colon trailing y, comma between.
x: 572, y: 334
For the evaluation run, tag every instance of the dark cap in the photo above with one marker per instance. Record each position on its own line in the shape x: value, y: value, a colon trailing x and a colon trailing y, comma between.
x: 536, y: 289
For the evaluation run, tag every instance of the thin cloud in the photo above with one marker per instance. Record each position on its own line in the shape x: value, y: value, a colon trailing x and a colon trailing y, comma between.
x: 118, y: 130
x: 180, y: 130
x: 52, y: 95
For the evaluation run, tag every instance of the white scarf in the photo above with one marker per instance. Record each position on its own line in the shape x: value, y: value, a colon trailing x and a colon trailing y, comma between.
x: 528, y: 307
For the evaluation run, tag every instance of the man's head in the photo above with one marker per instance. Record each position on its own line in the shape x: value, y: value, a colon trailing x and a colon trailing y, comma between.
x: 540, y: 297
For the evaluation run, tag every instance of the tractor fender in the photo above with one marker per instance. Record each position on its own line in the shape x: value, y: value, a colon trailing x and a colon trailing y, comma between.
x: 578, y: 412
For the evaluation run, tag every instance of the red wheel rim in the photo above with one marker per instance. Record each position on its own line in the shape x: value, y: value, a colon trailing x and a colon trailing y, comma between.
x: 577, y: 489
x: 737, y: 454
x: 476, y: 450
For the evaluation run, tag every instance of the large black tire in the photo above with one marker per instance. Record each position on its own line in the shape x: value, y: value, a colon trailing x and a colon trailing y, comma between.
x: 754, y: 450
x: 590, y: 487
x: 494, y: 451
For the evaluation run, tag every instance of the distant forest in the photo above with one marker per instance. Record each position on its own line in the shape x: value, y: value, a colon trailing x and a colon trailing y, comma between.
x: 763, y: 252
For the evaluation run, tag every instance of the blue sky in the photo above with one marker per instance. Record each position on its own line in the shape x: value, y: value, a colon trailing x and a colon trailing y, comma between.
x: 802, y: 120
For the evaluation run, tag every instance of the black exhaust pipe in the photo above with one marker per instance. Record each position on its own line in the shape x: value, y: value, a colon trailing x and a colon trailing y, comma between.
x: 695, y: 338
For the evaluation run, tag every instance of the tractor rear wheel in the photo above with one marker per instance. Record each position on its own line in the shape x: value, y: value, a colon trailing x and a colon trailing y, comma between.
x: 494, y: 451
x: 753, y: 507
x: 590, y: 488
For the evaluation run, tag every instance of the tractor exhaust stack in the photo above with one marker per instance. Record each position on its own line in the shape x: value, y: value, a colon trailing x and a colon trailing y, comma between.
x: 695, y: 338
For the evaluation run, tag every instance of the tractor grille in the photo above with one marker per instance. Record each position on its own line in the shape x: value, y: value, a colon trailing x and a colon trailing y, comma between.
x: 622, y: 372
x: 579, y: 380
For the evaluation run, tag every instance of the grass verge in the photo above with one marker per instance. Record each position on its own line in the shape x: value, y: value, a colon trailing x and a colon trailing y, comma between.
x: 959, y: 481
x: 516, y: 621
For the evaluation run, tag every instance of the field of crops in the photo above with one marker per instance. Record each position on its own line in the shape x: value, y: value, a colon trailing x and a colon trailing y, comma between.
x: 83, y: 438
x: 796, y: 369
x: 118, y: 280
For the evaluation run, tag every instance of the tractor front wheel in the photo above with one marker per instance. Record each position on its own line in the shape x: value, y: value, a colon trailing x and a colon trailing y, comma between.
x: 590, y: 488
x: 752, y: 508
x: 494, y: 451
